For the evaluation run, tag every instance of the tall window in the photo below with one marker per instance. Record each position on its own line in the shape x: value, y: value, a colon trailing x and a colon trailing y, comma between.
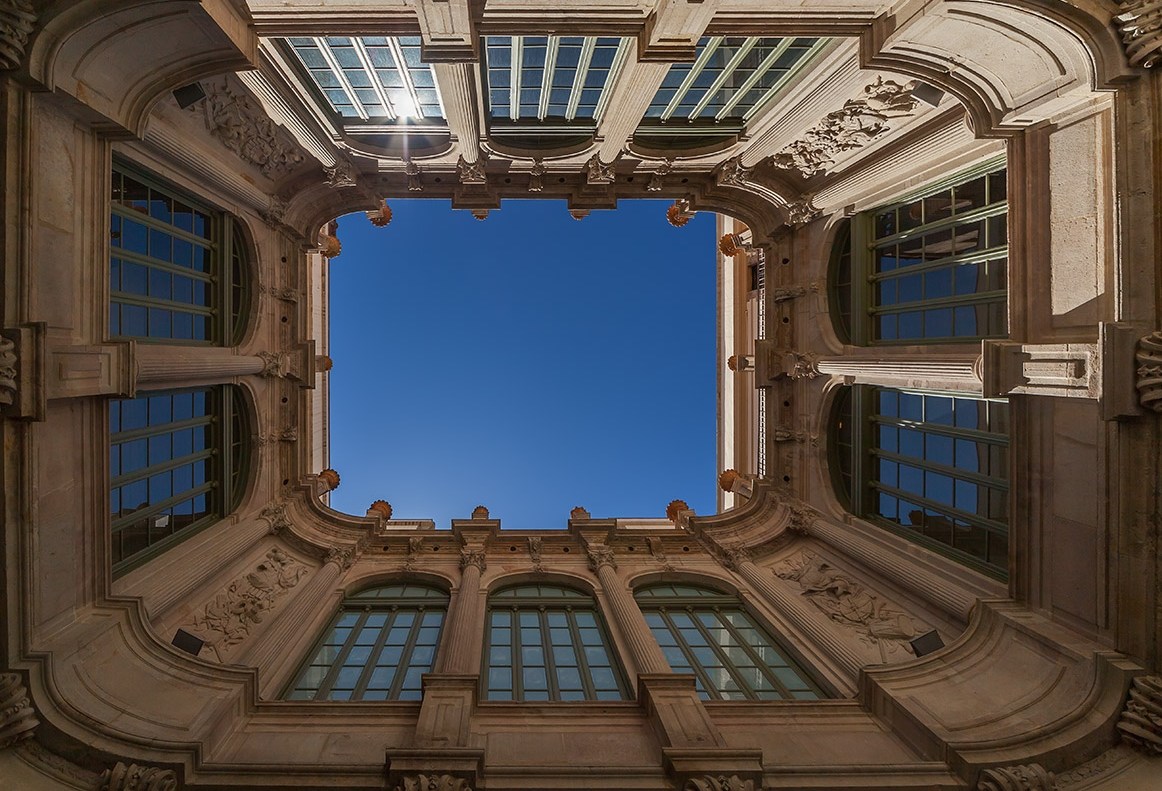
x: 931, y: 269
x: 378, y: 647
x: 709, y: 634
x: 934, y: 467
x: 548, y: 643
x: 176, y: 464
x: 177, y: 269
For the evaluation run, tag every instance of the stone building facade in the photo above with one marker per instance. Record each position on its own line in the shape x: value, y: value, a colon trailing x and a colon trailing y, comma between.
x: 940, y: 226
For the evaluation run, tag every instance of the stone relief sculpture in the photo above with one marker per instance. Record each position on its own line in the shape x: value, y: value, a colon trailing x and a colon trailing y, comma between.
x: 658, y: 550
x: 415, y: 547
x: 597, y: 172
x: 535, y: 553
x: 17, y: 717
x: 848, y: 603
x: 537, y: 176
x: 341, y: 174
x: 853, y: 126
x: 663, y: 169
x: 790, y: 293
x: 229, y: 617
x: 732, y: 173
x: 1150, y: 371
x: 432, y: 783
x: 131, y: 777
x: 718, y: 783
x: 471, y: 172
x: 243, y: 127
x: 1141, y: 720
x: 8, y: 372
x: 17, y: 21
x: 1141, y: 27
x: 1029, y: 777
x: 801, y: 212
x: 415, y: 176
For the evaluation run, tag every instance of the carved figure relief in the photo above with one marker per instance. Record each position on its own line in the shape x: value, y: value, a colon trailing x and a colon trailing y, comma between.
x: 718, y: 783
x: 243, y: 127
x: 415, y: 547
x: 848, y: 603
x: 17, y: 717
x: 535, y: 553
x: 853, y: 126
x: 8, y: 371
x: 131, y: 777
x: 230, y: 616
x: 1141, y: 720
x: 658, y: 550
x: 432, y: 783
x: 662, y: 170
x: 1141, y: 27
x: 17, y: 21
x: 1150, y: 371
x: 1029, y: 777
x: 415, y: 176
x: 537, y: 176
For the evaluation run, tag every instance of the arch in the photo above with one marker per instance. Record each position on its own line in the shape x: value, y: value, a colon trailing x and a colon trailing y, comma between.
x: 374, y: 578
x: 244, y: 328
x: 565, y: 578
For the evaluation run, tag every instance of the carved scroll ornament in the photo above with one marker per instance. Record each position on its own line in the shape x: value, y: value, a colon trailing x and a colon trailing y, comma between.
x: 1141, y: 720
x: 243, y: 127
x: 597, y: 172
x: 17, y: 21
x: 432, y: 783
x: 1029, y: 777
x: 471, y: 172
x: 17, y: 717
x: 719, y: 783
x: 853, y: 126
x: 132, y: 777
x: 8, y: 372
x: 1140, y: 24
x: 1150, y: 371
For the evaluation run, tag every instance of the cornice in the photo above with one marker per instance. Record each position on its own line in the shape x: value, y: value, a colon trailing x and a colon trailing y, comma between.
x: 760, y: 525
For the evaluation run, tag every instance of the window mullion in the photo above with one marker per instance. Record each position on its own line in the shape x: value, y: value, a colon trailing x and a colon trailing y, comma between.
x: 405, y: 657
x: 582, y: 659
x: 688, y: 652
x: 547, y: 647
x: 518, y: 685
x: 720, y: 652
x: 341, y: 657
x: 861, y: 269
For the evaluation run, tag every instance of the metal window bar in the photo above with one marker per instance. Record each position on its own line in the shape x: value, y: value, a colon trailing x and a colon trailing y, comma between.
x: 619, y: 59
x: 755, y: 76
x: 376, y: 83
x: 405, y: 74
x: 699, y: 64
x: 344, y: 83
x: 727, y: 72
x: 791, y: 72
x: 587, y: 48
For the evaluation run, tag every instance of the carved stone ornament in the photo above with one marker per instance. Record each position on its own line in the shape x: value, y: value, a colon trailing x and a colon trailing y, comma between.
x: 802, y: 515
x: 675, y: 510
x: 1140, y: 24
x: 415, y: 547
x: 732, y: 173
x: 132, y: 777
x: 230, y: 616
x: 850, y: 604
x: 8, y: 373
x: 17, y: 21
x: 275, y: 212
x: 801, y: 365
x: 1095, y: 767
x: 285, y: 294
x: 415, y: 176
x: 1141, y: 720
x: 601, y: 556
x: 662, y: 170
x: 471, y: 172
x: 432, y: 783
x: 580, y: 513
x: 729, y: 245
x: 790, y: 293
x: 658, y: 550
x: 597, y: 172
x: 784, y: 434
x: 17, y: 717
x: 537, y: 176
x: 473, y: 557
x: 341, y: 174
x: 679, y: 213
x: 1027, y: 777
x: 344, y: 557
x: 275, y: 516
x: 853, y: 126
x: 718, y: 783
x: 1150, y: 371
x: 273, y: 364
x: 535, y: 553
x: 380, y: 217
x: 734, y: 557
x: 243, y: 126
x: 801, y: 212
x: 330, y: 479
x: 382, y: 508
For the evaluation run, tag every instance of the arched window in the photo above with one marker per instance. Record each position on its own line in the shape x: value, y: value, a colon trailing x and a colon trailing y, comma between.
x: 378, y: 647
x: 547, y: 642
x: 178, y: 270
x: 709, y: 634
x: 177, y: 463
x: 931, y: 466
x: 931, y: 268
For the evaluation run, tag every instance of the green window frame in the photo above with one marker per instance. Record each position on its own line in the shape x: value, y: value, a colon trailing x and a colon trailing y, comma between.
x: 177, y: 463
x: 548, y: 643
x: 377, y: 648
x: 178, y: 270
x: 932, y: 467
x: 931, y: 268
x: 709, y: 634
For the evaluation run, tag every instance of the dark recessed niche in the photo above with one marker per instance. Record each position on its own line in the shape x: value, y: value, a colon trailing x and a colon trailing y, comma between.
x: 436, y: 548
x: 631, y: 549
x: 630, y: 178
x: 512, y: 549
x: 786, y: 261
x: 786, y: 403
x: 565, y: 549
x: 285, y: 319
x: 284, y: 259
x: 786, y: 320
x: 561, y: 180
x: 285, y: 399
x: 508, y: 181
x: 286, y: 481
x: 786, y: 479
x: 437, y: 179
x: 685, y: 549
x: 684, y: 181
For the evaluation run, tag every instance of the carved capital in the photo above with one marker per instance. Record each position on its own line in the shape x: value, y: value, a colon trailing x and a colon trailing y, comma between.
x: 17, y: 21
x: 17, y: 716
x: 273, y: 364
x: 471, y: 172
x: 343, y: 557
x: 276, y: 517
x: 473, y: 557
x: 732, y: 173
x: 734, y: 557
x: 133, y: 777
x: 1149, y: 381
x: 275, y: 212
x: 1027, y: 777
x: 432, y: 783
x: 597, y: 172
x: 718, y: 783
x: 1141, y: 721
x: 600, y: 556
x: 415, y: 176
x: 242, y: 126
x: 800, y: 365
x: 1140, y: 24
x: 801, y: 212
x: 341, y: 174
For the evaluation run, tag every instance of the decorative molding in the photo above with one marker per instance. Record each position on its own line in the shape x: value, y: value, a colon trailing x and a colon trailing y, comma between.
x: 473, y: 557
x: 242, y: 126
x: 471, y: 172
x: 856, y: 124
x: 658, y: 550
x: 276, y: 518
x: 17, y: 716
x: 415, y: 547
x: 341, y: 174
x: 535, y: 553
x: 1141, y: 720
x: 850, y: 604
x: 274, y: 364
x: 597, y: 172
x: 285, y: 294
x: 734, y: 557
x: 718, y: 783
x: 662, y: 170
x: 784, y: 434
x: 344, y: 557
x: 1026, y: 777
x: 1095, y: 767
x: 229, y: 617
x: 17, y: 21
x: 791, y: 293
x: 801, y: 212
x: 8, y: 371
x: 275, y: 212
x: 53, y: 765
x: 415, y: 176
x: 732, y: 173
x: 537, y: 176
x: 288, y: 434
x: 600, y: 556
x: 1149, y: 382
x: 134, y: 777
x: 1140, y: 24
x: 432, y: 783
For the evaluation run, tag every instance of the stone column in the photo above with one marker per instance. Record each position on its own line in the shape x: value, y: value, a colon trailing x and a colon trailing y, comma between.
x: 630, y: 94
x: 159, y: 365
x: 458, y: 92
x: 276, y: 651
x: 460, y: 654
x: 647, y: 656
x: 795, y: 610
x: 944, y: 372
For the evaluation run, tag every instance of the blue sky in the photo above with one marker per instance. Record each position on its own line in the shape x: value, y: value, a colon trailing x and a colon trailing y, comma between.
x: 529, y: 362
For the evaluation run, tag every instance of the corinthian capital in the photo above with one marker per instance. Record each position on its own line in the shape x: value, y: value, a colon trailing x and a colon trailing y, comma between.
x: 601, y: 556
x: 473, y: 557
